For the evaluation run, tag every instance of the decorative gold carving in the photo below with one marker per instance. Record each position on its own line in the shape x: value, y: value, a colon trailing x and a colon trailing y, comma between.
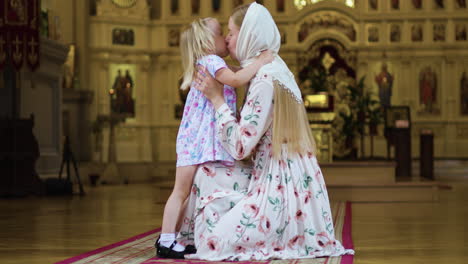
x: 21, y: 10
x: 322, y: 134
x: 33, y: 56
x: 327, y: 20
x: 462, y: 132
x: 314, y: 51
x: 17, y: 54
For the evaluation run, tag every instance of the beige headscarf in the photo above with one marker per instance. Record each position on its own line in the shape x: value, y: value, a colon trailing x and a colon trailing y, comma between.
x: 257, y: 33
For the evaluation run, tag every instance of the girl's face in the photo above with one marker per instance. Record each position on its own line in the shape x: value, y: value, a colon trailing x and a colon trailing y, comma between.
x: 231, y: 38
x: 220, y: 44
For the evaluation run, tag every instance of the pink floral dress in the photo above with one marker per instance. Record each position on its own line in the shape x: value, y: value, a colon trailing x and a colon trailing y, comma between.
x: 196, y: 141
x: 268, y: 209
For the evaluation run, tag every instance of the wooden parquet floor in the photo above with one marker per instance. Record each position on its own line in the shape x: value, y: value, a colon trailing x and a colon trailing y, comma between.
x: 45, y: 230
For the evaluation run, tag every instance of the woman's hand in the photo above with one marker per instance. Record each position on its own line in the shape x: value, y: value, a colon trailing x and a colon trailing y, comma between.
x: 211, y: 88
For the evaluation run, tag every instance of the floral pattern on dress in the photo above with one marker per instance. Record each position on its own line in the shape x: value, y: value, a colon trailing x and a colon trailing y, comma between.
x: 196, y: 140
x: 270, y: 208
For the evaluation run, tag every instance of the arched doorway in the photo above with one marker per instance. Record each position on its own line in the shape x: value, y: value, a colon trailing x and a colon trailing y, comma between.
x: 328, y: 66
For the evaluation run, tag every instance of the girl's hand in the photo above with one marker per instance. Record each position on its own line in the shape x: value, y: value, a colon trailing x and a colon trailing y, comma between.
x: 211, y: 88
x: 266, y: 56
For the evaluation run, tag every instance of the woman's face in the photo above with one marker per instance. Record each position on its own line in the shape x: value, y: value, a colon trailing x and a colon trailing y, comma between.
x: 231, y: 38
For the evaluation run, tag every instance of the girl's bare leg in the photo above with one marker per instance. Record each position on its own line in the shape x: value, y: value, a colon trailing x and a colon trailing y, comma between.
x: 182, y: 186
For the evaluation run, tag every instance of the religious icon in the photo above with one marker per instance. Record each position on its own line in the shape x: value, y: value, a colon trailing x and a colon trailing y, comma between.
x: 283, y: 37
x: 417, y: 4
x: 416, y: 32
x: 121, y: 36
x: 395, y: 33
x: 373, y: 4
x: 395, y: 4
x: 173, y: 40
x: 195, y: 7
x: 460, y: 32
x: 439, y: 32
x: 464, y: 94
x: 174, y: 6
x: 216, y: 4
x: 385, y: 82
x: 428, y: 90
x: 460, y: 3
x: 439, y: 4
x: 121, y: 94
x: 280, y: 5
x: 373, y: 34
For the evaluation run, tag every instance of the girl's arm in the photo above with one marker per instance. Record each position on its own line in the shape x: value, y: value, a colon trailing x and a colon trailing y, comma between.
x: 243, y: 76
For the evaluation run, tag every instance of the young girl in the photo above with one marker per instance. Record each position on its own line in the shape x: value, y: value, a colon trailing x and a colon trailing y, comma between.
x: 202, y: 44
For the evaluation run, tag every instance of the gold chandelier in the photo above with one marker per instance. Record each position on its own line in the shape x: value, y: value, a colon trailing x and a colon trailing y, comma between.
x: 302, y: 3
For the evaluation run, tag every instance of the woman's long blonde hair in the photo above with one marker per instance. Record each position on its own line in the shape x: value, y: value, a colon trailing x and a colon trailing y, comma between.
x: 290, y: 121
x: 196, y: 41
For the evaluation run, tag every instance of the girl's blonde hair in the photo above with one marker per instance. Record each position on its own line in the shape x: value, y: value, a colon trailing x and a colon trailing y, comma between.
x: 196, y: 41
x: 290, y: 121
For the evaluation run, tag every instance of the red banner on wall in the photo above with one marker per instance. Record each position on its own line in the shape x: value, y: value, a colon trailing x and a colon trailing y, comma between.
x: 19, y: 37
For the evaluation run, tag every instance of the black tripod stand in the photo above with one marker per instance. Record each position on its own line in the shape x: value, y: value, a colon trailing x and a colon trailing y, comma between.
x: 66, y: 157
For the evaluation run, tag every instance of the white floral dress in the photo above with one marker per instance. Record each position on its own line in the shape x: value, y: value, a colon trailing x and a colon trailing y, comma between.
x: 271, y: 208
x: 196, y: 139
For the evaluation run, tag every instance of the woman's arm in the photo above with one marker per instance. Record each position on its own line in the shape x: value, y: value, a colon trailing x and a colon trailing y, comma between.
x: 240, y: 137
x: 243, y: 76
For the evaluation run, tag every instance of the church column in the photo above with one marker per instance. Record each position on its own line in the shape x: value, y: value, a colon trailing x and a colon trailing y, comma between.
x: 102, y: 93
x: 205, y: 8
x: 427, y: 31
x: 226, y: 9
x: 143, y: 133
x: 449, y: 5
x: 450, y: 108
x: 81, y: 37
x: 405, y: 32
x: 185, y: 7
x: 142, y: 107
x: 165, y: 9
x: 405, y: 6
x: 409, y: 90
x: 450, y: 31
x: 163, y: 85
x: 361, y: 33
x: 450, y: 81
x: 383, y: 6
x: 384, y: 32
x: 289, y: 7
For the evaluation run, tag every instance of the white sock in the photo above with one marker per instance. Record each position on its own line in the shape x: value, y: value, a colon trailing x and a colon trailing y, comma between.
x: 167, y: 239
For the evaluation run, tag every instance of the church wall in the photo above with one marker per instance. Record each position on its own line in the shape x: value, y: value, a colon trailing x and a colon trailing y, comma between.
x: 448, y: 125
x: 150, y: 137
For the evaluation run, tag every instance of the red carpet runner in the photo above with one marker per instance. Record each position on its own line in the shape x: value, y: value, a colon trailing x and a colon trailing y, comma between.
x: 140, y: 250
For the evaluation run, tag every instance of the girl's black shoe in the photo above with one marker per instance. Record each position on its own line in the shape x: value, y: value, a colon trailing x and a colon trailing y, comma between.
x: 190, y: 249
x: 168, y: 252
